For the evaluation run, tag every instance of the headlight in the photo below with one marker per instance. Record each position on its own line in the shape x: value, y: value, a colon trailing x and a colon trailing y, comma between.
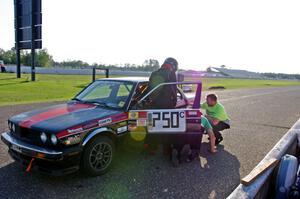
x: 43, y: 137
x: 13, y: 127
x: 9, y: 125
x: 53, y: 139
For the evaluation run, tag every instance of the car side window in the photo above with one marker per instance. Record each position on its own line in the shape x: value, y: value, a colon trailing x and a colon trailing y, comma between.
x: 124, y: 90
x: 122, y: 94
x: 181, y: 101
x: 179, y: 95
x: 140, y: 91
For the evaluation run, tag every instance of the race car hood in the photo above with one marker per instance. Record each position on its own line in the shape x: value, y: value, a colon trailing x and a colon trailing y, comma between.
x: 57, y: 118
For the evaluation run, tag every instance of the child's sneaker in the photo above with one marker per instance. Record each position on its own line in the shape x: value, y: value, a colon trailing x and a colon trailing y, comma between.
x: 218, y: 140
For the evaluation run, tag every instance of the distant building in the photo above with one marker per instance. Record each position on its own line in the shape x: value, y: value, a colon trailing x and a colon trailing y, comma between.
x: 222, y: 71
x: 236, y: 73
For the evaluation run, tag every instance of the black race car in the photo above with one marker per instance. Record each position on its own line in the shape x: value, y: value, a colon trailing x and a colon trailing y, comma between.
x: 84, y: 132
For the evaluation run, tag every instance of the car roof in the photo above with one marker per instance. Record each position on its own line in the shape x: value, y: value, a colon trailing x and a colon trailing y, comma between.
x: 129, y: 79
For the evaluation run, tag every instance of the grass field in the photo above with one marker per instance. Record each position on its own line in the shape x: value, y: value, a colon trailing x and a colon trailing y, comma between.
x: 64, y: 87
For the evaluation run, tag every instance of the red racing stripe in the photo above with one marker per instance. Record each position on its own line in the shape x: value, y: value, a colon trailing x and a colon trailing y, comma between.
x: 53, y: 113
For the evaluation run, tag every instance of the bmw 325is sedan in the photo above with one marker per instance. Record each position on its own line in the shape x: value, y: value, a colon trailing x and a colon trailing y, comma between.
x: 84, y: 132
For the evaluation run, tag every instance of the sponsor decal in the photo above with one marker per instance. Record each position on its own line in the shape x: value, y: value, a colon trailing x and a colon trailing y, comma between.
x: 193, y: 113
x: 72, y: 140
x: 93, y: 124
x: 75, y: 130
x: 122, y: 129
x: 104, y: 121
x: 150, y: 124
x: 133, y: 115
x: 121, y: 103
x: 142, y: 122
x: 143, y: 114
x: 72, y: 131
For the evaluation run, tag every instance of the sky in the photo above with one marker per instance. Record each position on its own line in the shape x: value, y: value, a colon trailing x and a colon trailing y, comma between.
x: 255, y: 35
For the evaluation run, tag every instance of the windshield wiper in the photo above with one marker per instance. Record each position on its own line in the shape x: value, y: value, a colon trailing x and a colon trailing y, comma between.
x: 104, y: 104
x: 85, y: 102
x: 76, y: 99
x: 99, y: 103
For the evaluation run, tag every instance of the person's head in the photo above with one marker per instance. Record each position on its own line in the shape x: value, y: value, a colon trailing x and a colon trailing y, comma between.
x: 171, y: 64
x: 211, y: 99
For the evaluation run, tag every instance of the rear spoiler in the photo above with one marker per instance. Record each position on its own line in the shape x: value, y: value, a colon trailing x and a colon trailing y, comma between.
x: 197, y: 99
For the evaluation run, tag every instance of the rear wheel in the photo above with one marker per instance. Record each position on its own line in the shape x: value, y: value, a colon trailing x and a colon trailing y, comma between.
x: 98, y: 156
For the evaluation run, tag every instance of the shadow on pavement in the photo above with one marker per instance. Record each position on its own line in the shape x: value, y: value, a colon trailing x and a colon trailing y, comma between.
x: 220, y: 171
x: 133, y: 175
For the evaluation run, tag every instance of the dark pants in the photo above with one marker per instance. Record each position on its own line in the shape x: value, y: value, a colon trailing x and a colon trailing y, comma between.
x: 220, y: 127
x: 3, y: 70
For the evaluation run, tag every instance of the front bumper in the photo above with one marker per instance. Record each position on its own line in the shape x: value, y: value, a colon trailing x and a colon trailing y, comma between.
x: 49, y: 161
x: 30, y: 150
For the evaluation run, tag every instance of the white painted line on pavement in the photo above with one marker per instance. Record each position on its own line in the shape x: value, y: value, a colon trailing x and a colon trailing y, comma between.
x: 255, y: 95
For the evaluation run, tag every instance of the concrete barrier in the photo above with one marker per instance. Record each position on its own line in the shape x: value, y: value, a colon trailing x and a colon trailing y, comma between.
x: 260, y: 187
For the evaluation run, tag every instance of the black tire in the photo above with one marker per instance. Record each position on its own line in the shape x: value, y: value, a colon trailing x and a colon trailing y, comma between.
x: 98, y: 156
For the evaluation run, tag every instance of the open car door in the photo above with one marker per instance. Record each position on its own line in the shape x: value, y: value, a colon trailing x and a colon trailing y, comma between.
x: 169, y: 126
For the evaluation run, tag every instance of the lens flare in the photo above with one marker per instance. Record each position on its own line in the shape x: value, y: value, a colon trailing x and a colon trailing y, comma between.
x: 138, y: 134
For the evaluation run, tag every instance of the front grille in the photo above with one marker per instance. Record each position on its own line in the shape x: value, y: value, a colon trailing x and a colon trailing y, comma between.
x: 17, y: 132
x: 27, y: 135
x: 32, y: 137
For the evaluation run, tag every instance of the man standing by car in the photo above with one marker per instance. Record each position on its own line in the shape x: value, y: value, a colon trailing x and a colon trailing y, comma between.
x: 217, y: 116
x: 166, y: 96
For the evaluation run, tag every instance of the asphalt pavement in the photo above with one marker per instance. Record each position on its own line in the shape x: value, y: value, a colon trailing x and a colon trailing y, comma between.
x: 259, y: 118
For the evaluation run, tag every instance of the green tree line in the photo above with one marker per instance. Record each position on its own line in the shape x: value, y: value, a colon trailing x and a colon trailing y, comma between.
x: 44, y: 59
x: 282, y: 76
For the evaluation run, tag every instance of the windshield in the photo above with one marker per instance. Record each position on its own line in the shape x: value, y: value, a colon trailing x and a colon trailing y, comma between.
x: 112, y: 94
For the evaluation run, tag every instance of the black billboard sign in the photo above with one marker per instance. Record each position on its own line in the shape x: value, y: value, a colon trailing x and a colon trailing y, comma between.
x: 28, y: 30
x: 28, y: 16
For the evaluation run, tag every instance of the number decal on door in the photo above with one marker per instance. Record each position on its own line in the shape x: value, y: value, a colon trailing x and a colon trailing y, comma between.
x: 166, y: 121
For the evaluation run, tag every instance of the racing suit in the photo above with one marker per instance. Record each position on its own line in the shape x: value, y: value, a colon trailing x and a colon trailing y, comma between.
x: 164, y: 97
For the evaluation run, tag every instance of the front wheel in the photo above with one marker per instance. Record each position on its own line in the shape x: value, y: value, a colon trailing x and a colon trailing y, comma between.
x: 98, y: 156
